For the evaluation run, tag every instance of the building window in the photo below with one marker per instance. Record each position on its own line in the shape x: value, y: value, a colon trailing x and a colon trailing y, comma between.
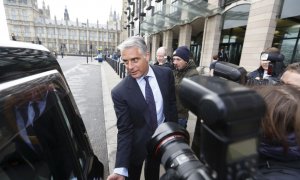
x: 50, y: 33
x: 236, y: 16
x: 72, y: 34
x: 62, y: 34
x: 23, y: 1
x: 100, y: 36
x: 25, y: 15
x: 82, y: 35
x: 27, y: 31
x: 286, y: 38
x: 13, y: 14
x: 40, y: 31
x: 104, y: 37
x: 233, y: 33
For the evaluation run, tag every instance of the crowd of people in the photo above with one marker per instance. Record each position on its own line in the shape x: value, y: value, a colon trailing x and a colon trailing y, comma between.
x: 148, y: 96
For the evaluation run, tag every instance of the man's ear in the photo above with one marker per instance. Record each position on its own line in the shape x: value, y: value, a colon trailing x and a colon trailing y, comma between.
x: 147, y: 56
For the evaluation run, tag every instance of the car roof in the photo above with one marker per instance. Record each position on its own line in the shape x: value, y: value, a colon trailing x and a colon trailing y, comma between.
x: 19, y: 44
x: 20, y: 59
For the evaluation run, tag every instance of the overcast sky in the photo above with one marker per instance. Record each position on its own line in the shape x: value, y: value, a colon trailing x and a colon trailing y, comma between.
x: 83, y: 9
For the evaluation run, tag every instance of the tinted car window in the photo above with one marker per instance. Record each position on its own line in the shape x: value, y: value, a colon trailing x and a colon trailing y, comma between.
x: 37, y: 130
x: 36, y: 133
x: 42, y: 135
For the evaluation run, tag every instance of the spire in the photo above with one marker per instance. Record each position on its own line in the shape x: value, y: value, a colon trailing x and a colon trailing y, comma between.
x: 115, y: 16
x: 66, y: 14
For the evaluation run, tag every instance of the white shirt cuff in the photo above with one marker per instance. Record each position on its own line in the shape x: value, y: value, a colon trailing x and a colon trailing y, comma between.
x: 122, y: 171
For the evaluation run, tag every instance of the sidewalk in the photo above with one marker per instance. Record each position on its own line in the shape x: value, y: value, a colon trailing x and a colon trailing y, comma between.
x: 109, y: 79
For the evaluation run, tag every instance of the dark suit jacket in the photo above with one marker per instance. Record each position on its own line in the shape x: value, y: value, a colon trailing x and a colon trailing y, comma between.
x: 134, y: 129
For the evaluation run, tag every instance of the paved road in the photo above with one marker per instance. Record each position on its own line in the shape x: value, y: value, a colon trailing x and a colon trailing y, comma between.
x: 86, y: 85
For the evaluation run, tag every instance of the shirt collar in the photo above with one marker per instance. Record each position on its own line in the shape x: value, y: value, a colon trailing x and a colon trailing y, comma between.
x: 150, y: 73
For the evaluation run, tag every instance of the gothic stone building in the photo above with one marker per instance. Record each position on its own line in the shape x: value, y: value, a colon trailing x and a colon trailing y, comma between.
x: 29, y: 23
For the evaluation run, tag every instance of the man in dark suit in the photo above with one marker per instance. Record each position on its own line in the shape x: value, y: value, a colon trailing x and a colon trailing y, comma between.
x: 222, y: 55
x: 134, y: 116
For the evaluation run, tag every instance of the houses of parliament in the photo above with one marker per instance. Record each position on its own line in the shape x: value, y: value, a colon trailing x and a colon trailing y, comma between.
x: 28, y: 23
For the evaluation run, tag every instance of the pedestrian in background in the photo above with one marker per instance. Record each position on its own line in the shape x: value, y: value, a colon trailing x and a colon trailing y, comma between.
x: 262, y: 71
x: 142, y: 100
x: 222, y: 55
x: 161, y: 57
x: 268, y: 72
x: 213, y: 65
x: 279, y: 147
x: 184, y: 68
x: 13, y: 37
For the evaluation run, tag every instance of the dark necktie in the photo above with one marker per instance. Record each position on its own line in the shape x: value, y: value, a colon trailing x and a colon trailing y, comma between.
x: 151, y: 103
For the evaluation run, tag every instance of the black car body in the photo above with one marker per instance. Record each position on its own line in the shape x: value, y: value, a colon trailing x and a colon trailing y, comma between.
x: 42, y: 135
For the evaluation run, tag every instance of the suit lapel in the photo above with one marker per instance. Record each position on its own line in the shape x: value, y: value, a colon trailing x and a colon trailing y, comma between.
x: 135, y: 95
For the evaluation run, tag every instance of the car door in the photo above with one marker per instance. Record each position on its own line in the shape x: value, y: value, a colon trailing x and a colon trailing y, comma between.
x: 42, y: 135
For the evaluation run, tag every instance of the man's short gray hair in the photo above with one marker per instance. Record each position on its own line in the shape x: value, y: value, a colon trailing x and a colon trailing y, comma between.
x: 134, y: 41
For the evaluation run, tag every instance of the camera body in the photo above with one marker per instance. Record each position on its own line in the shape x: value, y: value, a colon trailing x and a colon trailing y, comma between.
x: 230, y: 115
x: 230, y: 71
x: 230, y: 128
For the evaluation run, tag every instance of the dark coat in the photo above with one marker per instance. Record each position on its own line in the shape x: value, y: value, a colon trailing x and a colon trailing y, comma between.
x: 222, y: 56
x: 133, y: 123
x: 167, y: 64
x: 189, y: 71
x: 258, y: 73
x: 275, y: 164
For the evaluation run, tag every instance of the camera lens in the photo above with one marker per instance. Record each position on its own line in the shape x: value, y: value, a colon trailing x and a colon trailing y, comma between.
x: 169, y: 145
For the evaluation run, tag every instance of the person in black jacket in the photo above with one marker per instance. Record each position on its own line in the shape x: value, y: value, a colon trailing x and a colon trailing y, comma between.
x: 269, y: 71
x: 279, y: 151
x: 222, y: 55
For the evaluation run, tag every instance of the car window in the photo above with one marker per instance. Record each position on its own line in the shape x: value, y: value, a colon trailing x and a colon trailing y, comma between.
x: 39, y: 132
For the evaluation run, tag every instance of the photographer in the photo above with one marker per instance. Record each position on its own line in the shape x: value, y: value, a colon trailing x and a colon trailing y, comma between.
x: 270, y: 69
x: 279, y: 152
x: 184, y: 68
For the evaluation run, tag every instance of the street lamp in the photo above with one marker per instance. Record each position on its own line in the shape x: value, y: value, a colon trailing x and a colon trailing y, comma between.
x: 87, y: 58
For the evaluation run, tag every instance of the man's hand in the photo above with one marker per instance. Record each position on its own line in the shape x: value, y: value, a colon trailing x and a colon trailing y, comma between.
x: 115, y: 176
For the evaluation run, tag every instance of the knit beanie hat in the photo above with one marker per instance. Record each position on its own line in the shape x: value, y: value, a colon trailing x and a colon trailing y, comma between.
x: 182, y: 52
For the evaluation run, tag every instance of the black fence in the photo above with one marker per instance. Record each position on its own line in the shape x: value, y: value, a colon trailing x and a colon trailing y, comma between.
x: 119, y: 67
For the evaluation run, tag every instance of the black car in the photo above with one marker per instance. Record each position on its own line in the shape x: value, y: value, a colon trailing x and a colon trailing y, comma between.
x: 42, y: 135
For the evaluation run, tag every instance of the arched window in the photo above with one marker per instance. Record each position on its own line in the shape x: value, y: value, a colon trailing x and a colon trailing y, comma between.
x: 233, y: 31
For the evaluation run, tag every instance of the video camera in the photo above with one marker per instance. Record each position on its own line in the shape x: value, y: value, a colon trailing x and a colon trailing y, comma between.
x: 230, y: 116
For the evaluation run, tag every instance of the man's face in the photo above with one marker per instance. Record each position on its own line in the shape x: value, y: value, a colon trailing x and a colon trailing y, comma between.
x: 179, y: 63
x: 264, y: 64
x: 135, y: 62
x: 290, y: 77
x: 160, y: 56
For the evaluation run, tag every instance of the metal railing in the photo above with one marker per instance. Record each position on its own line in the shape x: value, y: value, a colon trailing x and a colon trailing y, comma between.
x: 119, y: 67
